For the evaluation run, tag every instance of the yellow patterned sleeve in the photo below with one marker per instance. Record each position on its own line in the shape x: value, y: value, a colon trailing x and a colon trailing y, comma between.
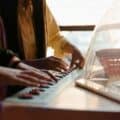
x: 54, y: 38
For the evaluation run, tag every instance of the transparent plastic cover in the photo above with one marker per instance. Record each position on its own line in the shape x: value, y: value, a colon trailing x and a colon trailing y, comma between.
x: 103, y: 57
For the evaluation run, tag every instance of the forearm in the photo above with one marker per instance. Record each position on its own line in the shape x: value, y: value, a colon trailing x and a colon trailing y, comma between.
x: 4, y: 73
x: 5, y: 57
x: 24, y: 66
x: 61, y: 45
x: 8, y: 58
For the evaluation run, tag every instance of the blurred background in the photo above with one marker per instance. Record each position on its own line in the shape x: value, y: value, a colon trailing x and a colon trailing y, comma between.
x: 77, y: 18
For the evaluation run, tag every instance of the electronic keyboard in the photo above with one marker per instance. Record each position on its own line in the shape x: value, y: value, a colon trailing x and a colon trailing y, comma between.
x: 46, y: 93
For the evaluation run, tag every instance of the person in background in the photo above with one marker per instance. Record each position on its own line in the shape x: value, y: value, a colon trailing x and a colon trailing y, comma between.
x: 58, y: 42
x: 22, y: 15
x: 14, y: 72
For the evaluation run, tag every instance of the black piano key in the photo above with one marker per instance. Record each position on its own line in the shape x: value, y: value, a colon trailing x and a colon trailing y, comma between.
x: 35, y: 91
x: 41, y: 89
x: 51, y: 83
x: 59, y: 76
x: 44, y: 86
x: 25, y: 96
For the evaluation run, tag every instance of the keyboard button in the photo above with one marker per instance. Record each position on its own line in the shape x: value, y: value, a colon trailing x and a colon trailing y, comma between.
x: 44, y: 86
x: 35, y: 91
x: 25, y: 96
x: 41, y: 90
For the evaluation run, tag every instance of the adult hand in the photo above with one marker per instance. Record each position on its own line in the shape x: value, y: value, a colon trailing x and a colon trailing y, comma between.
x: 77, y: 58
x: 44, y: 74
x: 55, y: 63
x: 49, y: 63
x: 10, y: 76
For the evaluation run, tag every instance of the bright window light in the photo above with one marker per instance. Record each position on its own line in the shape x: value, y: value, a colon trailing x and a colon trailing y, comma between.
x: 78, y: 12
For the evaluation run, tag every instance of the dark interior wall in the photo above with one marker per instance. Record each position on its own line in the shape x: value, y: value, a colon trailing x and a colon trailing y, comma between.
x: 8, y: 9
x: 8, y: 12
x: 9, y: 16
x: 38, y: 17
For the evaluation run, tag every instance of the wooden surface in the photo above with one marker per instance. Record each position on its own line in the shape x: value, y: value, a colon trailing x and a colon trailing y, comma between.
x: 73, y: 103
x: 80, y: 99
x: 27, y: 113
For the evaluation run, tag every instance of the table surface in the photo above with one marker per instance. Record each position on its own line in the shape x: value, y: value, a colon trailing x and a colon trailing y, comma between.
x: 76, y: 98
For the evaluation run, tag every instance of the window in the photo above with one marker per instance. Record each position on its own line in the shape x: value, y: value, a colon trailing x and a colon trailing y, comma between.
x: 77, y: 13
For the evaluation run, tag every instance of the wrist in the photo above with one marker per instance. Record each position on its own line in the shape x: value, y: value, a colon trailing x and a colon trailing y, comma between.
x: 14, y: 62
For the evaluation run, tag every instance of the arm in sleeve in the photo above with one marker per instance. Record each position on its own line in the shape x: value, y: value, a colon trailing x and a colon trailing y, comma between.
x: 8, y: 58
x: 55, y: 40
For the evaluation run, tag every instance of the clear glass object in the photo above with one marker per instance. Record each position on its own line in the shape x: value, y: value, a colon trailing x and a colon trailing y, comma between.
x: 103, y: 57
